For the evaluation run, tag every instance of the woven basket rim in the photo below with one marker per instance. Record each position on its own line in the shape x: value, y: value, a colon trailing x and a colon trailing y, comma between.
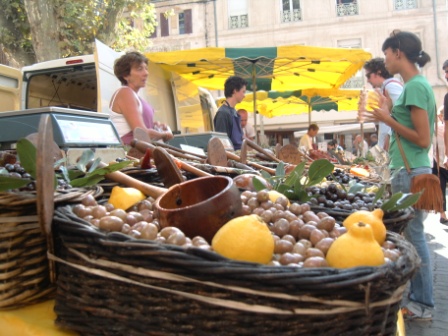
x: 64, y: 214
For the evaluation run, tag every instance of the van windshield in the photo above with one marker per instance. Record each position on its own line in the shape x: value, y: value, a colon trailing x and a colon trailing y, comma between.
x: 71, y: 87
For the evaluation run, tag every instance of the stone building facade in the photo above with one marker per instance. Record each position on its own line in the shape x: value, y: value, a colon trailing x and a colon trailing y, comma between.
x: 324, y: 23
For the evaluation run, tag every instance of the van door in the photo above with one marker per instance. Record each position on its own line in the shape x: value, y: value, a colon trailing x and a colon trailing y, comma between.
x: 10, y: 88
x: 107, y: 83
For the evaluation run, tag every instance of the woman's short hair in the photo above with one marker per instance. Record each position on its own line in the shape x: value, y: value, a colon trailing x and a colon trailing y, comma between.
x: 124, y: 64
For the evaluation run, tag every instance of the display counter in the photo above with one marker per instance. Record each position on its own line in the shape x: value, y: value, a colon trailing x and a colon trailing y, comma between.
x: 34, y: 320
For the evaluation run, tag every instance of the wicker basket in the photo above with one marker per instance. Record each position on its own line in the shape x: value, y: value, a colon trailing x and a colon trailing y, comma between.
x: 111, y: 284
x: 395, y: 221
x: 24, y: 268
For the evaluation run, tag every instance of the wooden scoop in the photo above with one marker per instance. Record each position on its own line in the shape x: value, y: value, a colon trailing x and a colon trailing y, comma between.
x: 167, y: 168
x: 45, y: 183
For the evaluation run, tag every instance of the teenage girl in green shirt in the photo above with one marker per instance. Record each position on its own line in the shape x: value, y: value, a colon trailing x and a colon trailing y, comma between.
x: 412, y: 117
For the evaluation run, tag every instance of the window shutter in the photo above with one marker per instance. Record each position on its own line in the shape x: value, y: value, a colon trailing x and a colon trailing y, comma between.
x: 164, y: 27
x: 188, y: 21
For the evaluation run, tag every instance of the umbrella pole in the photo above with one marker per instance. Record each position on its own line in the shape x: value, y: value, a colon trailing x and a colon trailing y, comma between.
x: 254, y: 90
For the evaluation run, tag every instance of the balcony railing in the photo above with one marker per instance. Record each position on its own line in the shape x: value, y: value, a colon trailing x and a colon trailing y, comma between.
x: 291, y: 16
x: 238, y: 21
x: 347, y: 9
x: 405, y: 4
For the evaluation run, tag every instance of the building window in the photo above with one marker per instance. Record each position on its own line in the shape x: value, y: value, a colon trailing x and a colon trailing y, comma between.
x: 358, y: 80
x: 154, y: 33
x: 291, y: 11
x: 164, y: 26
x: 185, y: 22
x: 405, y: 4
x: 346, y: 7
x: 238, y: 16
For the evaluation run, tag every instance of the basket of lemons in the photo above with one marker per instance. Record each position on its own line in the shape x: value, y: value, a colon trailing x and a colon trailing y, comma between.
x: 276, y: 268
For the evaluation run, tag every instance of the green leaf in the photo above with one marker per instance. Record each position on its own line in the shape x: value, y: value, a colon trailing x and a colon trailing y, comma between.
x: 27, y: 156
x: 318, y: 170
x: 391, y: 203
x: 74, y: 174
x: 95, y: 164
x: 354, y: 188
x: 87, y: 181
x: 8, y: 182
x: 407, y: 200
x: 85, y: 159
x: 280, y: 170
x: 291, y: 179
x: 258, y: 185
x: 59, y: 162
x: 379, y: 193
x: 266, y: 175
x: 110, y: 168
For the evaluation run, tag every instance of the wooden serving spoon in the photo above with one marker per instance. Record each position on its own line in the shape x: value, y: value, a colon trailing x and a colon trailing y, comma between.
x: 45, y: 184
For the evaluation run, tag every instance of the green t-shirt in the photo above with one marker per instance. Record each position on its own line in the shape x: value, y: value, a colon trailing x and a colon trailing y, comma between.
x: 417, y: 92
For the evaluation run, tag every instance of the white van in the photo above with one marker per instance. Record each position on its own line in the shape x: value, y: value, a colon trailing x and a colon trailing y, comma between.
x: 87, y: 83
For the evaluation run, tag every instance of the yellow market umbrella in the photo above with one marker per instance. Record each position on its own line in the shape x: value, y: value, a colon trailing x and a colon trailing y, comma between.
x: 283, y: 68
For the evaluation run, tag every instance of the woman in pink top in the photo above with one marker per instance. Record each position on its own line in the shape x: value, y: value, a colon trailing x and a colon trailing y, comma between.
x: 129, y: 111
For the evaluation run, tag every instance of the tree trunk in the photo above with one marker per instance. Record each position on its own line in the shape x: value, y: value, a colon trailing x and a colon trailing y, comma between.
x: 44, y: 29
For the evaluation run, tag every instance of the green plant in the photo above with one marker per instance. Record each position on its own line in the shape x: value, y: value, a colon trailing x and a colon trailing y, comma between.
x: 86, y: 173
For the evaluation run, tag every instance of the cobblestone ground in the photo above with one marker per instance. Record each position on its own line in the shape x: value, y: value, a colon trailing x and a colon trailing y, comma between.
x: 437, y: 236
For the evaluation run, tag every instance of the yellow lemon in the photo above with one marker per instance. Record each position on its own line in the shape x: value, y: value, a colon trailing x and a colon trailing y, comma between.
x: 245, y: 238
x: 373, y: 218
x: 356, y: 247
x: 274, y: 194
x: 124, y: 198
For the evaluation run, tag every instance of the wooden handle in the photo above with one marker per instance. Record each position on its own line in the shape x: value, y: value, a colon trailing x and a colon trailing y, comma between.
x: 142, y: 146
x: 261, y: 150
x: 235, y: 157
x: 175, y: 149
x: 189, y: 168
x: 147, y: 189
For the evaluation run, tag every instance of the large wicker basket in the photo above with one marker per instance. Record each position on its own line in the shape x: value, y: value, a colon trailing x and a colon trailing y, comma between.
x: 111, y: 284
x: 24, y: 268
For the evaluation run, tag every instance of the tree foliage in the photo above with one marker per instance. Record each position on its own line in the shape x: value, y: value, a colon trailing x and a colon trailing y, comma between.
x: 39, y: 30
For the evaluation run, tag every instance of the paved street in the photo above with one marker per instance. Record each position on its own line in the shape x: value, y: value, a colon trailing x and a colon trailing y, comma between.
x: 437, y: 235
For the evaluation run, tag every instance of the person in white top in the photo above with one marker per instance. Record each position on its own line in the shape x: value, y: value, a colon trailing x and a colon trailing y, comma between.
x: 248, y: 130
x: 360, y: 146
x: 378, y: 76
x: 438, y: 146
x: 127, y: 110
x: 306, y: 141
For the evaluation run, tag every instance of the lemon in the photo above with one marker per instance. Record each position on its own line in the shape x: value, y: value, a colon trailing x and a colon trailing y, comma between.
x: 356, y: 247
x: 274, y: 194
x: 373, y: 218
x: 124, y: 198
x: 245, y: 238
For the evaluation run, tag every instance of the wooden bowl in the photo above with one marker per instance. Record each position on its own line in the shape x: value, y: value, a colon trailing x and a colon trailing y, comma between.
x: 201, y: 206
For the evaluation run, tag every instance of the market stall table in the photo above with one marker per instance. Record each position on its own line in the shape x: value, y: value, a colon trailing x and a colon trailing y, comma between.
x: 34, y: 320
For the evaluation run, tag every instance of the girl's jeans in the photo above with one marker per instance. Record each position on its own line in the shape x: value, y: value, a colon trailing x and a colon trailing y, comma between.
x: 422, y: 283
